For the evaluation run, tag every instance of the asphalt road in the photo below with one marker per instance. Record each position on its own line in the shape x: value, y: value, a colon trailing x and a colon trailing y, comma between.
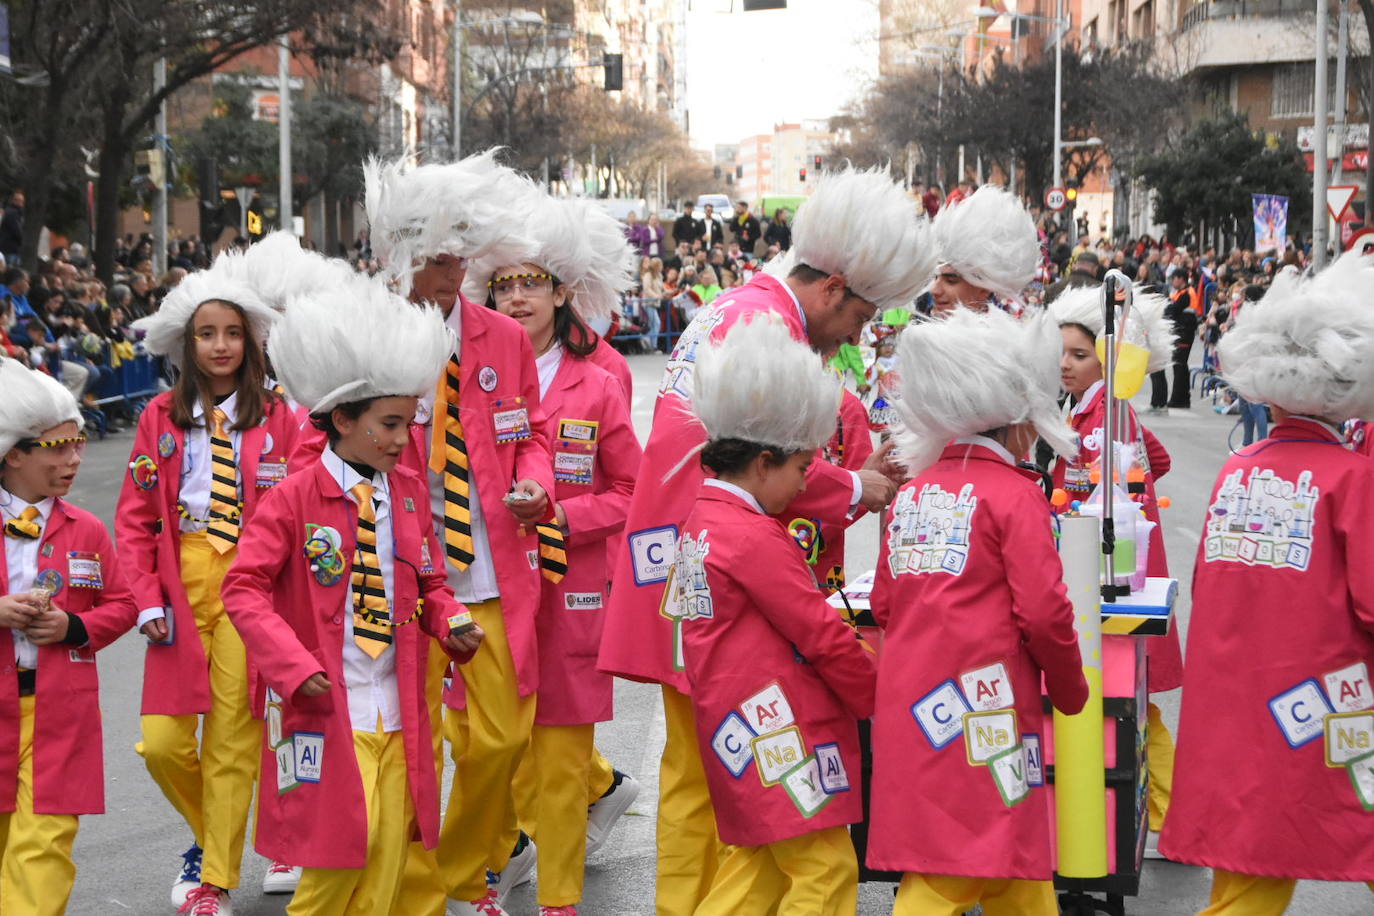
x: 128, y: 858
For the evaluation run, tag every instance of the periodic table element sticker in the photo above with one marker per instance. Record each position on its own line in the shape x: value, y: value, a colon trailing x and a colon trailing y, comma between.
x: 732, y: 744
x: 1349, y: 735
x: 286, y: 767
x: 1361, y: 771
x: 1009, y: 772
x: 777, y: 753
x: 1348, y: 688
x: 940, y: 714
x: 652, y: 552
x: 987, y: 734
x: 834, y: 776
x: 803, y: 785
x: 988, y: 687
x: 1035, y: 760
x: 768, y: 710
x: 1299, y: 712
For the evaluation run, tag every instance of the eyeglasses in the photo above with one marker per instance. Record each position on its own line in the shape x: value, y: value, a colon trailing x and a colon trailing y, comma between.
x: 66, y: 446
x: 503, y: 288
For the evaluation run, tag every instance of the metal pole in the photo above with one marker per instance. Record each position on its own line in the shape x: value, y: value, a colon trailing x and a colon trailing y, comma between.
x: 1058, y: 89
x: 1319, y: 146
x: 457, y: 79
x: 1342, y: 52
x: 160, y: 192
x: 285, y: 206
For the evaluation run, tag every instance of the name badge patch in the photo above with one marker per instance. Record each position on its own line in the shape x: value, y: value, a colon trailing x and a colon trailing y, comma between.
x: 271, y: 473
x: 987, y: 734
x: 574, y: 462
x: 834, y: 777
x: 652, y: 551
x: 777, y: 753
x: 988, y: 687
x: 83, y: 570
x: 731, y: 743
x: 309, y: 755
x: 578, y: 430
x: 511, y: 418
x: 1349, y: 735
x: 803, y: 785
x: 1299, y: 711
x: 1348, y: 688
x: 768, y: 710
x: 940, y: 714
x: 582, y: 601
x: 1008, y: 770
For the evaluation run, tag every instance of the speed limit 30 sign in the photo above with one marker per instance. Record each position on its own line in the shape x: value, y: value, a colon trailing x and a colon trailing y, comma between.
x: 1055, y: 198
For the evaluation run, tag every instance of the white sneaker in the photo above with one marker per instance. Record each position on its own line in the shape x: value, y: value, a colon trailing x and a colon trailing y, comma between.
x: 207, y: 900
x: 484, y: 906
x: 517, y: 871
x: 281, y: 878
x: 189, y: 879
x: 603, y: 813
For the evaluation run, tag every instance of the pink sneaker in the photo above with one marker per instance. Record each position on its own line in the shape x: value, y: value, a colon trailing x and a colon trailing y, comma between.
x: 569, y: 910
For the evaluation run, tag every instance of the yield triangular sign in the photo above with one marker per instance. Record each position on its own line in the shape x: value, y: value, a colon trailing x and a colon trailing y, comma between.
x: 1338, y: 199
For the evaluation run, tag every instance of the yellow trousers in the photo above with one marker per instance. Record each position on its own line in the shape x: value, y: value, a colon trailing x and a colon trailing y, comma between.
x: 1250, y: 895
x: 688, y: 848
x: 600, y: 776
x: 371, y: 890
x: 950, y: 895
x: 495, y: 733
x: 37, y: 871
x: 1160, y: 751
x: 210, y: 781
x: 559, y: 762
x: 423, y: 892
x: 816, y: 874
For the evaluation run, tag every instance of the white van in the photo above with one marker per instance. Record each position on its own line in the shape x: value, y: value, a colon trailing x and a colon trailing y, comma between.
x: 720, y: 202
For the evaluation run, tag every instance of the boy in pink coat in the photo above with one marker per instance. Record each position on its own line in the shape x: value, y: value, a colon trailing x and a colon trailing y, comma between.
x: 778, y: 680
x: 1275, y: 778
x: 337, y: 595
x: 970, y: 595
x: 63, y: 597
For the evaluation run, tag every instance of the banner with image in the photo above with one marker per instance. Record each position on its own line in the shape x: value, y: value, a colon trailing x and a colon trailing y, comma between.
x: 1271, y: 222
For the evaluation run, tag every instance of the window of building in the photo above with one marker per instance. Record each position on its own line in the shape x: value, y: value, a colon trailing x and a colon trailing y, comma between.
x: 1294, y: 90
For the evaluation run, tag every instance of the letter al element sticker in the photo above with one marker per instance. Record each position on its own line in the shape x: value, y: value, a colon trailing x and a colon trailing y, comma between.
x: 1008, y: 770
x: 834, y: 777
x: 940, y: 714
x: 731, y: 743
x: 803, y: 785
x: 1299, y: 711
x: 1361, y: 771
x: 309, y: 755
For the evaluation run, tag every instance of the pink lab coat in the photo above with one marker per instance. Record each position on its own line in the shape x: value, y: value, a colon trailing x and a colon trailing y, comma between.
x: 1165, y: 671
x: 68, y: 770
x: 176, y: 677
x: 932, y: 810
x: 849, y: 448
x: 571, y: 690
x: 1245, y: 799
x: 293, y: 628
x: 614, y: 362
x: 638, y: 641
x: 768, y: 625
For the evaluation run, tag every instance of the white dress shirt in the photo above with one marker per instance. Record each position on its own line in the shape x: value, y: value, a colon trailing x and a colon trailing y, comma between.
x: 547, y: 366
x: 196, y: 464
x: 21, y: 564
x: 371, y: 682
x: 991, y: 445
x: 737, y: 490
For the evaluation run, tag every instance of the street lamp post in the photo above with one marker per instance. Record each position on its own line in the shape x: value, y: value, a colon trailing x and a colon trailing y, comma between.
x: 457, y: 79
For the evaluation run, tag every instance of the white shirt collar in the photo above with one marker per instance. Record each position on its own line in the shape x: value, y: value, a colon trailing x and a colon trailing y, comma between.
x: 347, y: 477
x: 547, y: 367
x: 11, y: 506
x: 455, y: 323
x: 1322, y: 423
x: 795, y: 301
x: 1087, y: 398
x: 229, y: 405
x: 991, y: 444
x: 737, y: 490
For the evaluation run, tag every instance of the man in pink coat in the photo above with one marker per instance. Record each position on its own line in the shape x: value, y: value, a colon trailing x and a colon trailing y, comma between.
x: 1275, y: 776
x: 858, y: 247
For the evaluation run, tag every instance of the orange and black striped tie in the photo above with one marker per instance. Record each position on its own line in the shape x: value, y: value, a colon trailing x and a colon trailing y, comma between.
x: 553, y: 554
x: 26, y: 527
x: 450, y: 455
x: 223, y: 524
x: 371, y: 618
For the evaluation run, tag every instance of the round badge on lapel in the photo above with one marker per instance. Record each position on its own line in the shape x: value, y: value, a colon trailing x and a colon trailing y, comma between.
x: 50, y: 579
x: 487, y: 378
x: 266, y: 443
x: 422, y: 413
x: 166, y: 445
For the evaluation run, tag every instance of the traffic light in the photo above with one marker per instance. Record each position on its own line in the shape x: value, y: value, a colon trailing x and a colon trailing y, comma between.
x: 803, y: 175
x: 615, y: 72
x: 1071, y: 193
x: 752, y: 5
x: 816, y: 161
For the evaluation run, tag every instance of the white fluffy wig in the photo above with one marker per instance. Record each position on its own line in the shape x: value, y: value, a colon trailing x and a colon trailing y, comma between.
x: 34, y: 403
x: 580, y: 244
x: 357, y: 340
x: 1146, y: 325
x: 990, y: 240
x: 862, y: 225
x: 1308, y: 345
x: 472, y: 208
x: 165, y: 330
x: 760, y: 385
x: 278, y: 269
x: 972, y: 372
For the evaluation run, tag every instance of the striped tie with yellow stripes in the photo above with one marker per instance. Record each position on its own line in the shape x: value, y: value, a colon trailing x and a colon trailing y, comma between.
x: 449, y: 454
x: 223, y: 523
x: 371, y: 618
x: 553, y: 554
